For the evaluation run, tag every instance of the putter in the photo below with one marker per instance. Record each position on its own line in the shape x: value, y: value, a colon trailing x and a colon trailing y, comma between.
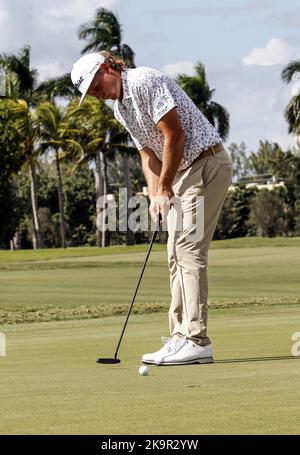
x: 112, y: 360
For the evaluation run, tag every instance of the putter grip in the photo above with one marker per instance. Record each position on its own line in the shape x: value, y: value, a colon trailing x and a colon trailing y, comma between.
x: 156, y: 229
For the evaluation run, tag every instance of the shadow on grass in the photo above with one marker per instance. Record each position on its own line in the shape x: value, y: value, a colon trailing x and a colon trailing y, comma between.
x: 242, y: 360
x: 257, y: 359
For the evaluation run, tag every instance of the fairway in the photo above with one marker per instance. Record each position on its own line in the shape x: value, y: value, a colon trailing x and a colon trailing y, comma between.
x: 51, y: 384
x: 91, y: 282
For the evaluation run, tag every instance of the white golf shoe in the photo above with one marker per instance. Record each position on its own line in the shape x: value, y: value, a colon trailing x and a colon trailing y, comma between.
x: 188, y: 353
x: 171, y: 345
x: 180, y: 351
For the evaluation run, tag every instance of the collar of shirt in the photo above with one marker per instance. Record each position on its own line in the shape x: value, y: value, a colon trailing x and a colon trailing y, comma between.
x: 125, y: 86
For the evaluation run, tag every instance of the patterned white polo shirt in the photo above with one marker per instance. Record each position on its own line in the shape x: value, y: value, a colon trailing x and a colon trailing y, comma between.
x: 148, y: 95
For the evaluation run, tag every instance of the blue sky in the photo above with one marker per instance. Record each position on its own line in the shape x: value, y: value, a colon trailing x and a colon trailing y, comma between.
x: 244, y: 44
x: 163, y: 30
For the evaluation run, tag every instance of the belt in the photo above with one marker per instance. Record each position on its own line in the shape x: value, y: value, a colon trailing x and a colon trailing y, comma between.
x: 210, y: 151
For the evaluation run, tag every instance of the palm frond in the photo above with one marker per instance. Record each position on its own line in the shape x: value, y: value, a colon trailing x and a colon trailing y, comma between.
x: 128, y: 55
x: 102, y: 33
x: 20, y: 65
x: 86, y: 30
x: 59, y: 86
x: 289, y: 70
x: 219, y: 114
x: 197, y: 88
x: 292, y: 114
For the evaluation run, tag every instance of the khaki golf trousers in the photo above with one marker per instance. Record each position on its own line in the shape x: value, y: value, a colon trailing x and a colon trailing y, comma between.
x: 199, y: 192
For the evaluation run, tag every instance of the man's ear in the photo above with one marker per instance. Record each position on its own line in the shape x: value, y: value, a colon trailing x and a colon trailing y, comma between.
x: 105, y: 67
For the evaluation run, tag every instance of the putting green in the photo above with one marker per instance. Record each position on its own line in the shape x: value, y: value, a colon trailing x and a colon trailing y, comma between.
x: 51, y: 384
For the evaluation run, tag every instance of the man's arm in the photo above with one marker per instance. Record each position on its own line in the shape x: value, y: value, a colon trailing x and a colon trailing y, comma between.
x: 151, y: 166
x: 160, y: 175
x: 173, y: 148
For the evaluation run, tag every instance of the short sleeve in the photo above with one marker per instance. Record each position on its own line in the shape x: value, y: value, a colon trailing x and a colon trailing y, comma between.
x: 154, y: 95
x: 161, y: 99
x: 136, y: 142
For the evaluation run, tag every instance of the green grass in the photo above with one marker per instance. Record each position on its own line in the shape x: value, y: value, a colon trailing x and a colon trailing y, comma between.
x: 52, y: 384
x: 81, y: 252
x: 78, y: 283
x: 255, y: 242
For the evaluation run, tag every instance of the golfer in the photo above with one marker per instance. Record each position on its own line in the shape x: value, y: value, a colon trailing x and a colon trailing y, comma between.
x: 188, y: 173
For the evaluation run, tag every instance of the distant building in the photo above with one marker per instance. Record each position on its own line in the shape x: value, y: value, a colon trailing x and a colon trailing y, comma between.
x: 264, y: 181
x: 268, y: 185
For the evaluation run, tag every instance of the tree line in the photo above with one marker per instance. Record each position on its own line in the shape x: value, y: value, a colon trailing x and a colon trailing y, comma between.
x: 56, y: 159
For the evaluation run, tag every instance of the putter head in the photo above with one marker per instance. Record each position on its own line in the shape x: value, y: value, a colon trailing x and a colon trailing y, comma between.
x: 108, y: 360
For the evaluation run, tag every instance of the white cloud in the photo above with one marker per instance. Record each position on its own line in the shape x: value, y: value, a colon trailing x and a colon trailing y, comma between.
x: 289, y: 19
x: 276, y: 52
x: 256, y: 99
x: 55, y: 13
x: 252, y: 92
x: 50, y: 27
x: 174, y: 69
x: 50, y: 70
x: 3, y: 13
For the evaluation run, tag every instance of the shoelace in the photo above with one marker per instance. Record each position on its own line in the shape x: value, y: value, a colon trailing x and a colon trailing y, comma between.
x: 175, y: 344
x: 165, y: 340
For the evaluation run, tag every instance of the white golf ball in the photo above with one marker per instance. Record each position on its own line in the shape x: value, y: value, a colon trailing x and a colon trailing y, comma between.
x: 143, y: 370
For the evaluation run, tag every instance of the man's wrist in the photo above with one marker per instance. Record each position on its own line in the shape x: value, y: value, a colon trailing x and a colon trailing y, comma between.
x: 151, y: 196
x: 164, y: 187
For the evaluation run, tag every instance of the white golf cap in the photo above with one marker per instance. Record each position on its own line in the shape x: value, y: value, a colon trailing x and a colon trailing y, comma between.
x: 84, y: 70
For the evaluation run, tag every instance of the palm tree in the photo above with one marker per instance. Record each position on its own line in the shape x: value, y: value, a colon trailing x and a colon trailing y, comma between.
x: 20, y: 83
x: 100, y: 137
x: 104, y: 33
x: 267, y: 161
x: 292, y: 111
x: 58, y: 86
x: 289, y: 70
x: 96, y: 120
x: 197, y: 88
x: 57, y: 135
x: 120, y: 142
x: 20, y: 78
x: 27, y: 126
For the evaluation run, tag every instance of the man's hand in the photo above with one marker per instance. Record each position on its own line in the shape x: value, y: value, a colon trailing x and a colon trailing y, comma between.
x: 161, y: 203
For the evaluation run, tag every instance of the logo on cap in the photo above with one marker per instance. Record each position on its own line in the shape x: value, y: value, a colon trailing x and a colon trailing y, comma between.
x: 94, y: 67
x: 78, y: 83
